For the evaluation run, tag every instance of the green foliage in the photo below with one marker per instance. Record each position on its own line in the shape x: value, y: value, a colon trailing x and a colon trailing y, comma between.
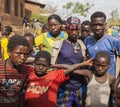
x: 79, y: 8
x: 68, y: 5
x: 114, y: 14
x: 42, y: 19
x: 115, y: 19
x: 113, y: 22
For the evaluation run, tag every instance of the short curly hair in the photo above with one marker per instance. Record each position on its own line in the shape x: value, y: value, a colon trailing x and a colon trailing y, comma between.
x: 43, y: 54
x: 17, y: 40
x: 98, y: 14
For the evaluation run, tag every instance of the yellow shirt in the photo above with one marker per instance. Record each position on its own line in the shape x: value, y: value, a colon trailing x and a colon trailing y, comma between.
x: 4, y: 43
x: 45, y: 40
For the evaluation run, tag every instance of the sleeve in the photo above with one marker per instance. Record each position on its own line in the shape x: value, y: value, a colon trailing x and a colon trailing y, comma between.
x: 39, y: 40
x: 60, y: 76
x: 118, y: 47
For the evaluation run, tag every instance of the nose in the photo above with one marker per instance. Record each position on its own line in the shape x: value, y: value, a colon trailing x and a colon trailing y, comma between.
x: 23, y: 57
x: 98, y: 26
x: 52, y: 27
x: 100, y: 68
x: 40, y: 66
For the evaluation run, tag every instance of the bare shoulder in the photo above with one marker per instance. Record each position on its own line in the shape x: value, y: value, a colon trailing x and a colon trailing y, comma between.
x: 111, y: 79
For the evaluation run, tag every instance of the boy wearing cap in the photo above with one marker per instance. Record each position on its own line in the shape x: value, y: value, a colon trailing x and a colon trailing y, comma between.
x: 71, y: 51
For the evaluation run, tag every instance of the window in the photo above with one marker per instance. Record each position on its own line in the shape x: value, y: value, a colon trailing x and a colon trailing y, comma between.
x: 21, y: 9
x: 7, y: 6
x: 16, y: 7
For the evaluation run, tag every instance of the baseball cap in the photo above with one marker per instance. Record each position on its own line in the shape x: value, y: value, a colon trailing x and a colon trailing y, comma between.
x: 73, y: 23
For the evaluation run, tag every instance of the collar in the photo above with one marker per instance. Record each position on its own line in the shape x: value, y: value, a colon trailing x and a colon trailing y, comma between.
x: 61, y: 35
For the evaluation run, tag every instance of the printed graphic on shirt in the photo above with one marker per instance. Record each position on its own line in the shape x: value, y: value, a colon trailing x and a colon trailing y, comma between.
x: 36, y: 89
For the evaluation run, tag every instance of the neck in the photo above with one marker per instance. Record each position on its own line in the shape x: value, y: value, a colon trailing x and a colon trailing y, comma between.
x: 9, y: 63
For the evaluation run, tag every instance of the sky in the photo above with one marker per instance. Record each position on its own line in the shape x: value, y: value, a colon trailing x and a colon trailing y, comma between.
x: 99, y: 5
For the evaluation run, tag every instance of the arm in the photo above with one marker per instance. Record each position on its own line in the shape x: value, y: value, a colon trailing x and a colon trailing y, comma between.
x: 115, y: 84
x: 70, y: 68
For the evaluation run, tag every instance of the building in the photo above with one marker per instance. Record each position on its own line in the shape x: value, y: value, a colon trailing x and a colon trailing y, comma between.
x: 33, y: 7
x: 12, y: 12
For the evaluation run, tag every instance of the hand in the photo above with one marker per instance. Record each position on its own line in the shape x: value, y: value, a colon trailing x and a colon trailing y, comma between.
x: 89, y: 62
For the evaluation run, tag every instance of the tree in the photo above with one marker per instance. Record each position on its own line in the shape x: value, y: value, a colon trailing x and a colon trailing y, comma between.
x: 77, y: 8
x: 49, y: 9
x: 114, y: 14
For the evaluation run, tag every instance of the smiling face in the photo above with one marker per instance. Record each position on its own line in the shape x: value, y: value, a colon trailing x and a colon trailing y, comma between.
x: 98, y: 26
x: 101, y: 65
x: 19, y: 55
x: 41, y: 65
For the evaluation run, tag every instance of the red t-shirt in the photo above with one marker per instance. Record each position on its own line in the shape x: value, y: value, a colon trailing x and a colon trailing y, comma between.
x: 9, y: 97
x: 42, y: 91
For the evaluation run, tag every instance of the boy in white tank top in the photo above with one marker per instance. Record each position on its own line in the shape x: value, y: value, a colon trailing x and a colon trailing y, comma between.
x: 99, y: 81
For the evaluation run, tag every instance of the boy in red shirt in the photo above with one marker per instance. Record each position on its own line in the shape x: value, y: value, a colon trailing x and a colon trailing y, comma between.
x: 42, y: 87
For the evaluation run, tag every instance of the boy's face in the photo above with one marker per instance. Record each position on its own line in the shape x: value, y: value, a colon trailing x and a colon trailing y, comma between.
x: 41, y: 65
x: 19, y: 55
x: 101, y: 65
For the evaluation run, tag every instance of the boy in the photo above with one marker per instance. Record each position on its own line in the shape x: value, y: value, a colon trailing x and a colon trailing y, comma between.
x: 98, y: 82
x: 42, y: 87
x: 13, y: 72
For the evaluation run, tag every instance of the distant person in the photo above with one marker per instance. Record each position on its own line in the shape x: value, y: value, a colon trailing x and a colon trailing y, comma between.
x: 46, y: 40
x: 45, y: 28
x: 25, y: 22
x: 6, y: 30
x: 37, y: 27
x: 115, y: 32
x: 42, y: 87
x: 100, y: 41
x: 85, y: 30
x: 110, y: 31
x: 30, y: 38
x: 63, y: 26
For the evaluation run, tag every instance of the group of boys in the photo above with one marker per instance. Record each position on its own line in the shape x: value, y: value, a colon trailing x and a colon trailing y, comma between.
x: 39, y: 87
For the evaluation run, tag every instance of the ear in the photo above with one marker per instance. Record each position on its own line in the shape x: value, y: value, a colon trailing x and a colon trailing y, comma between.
x: 9, y: 53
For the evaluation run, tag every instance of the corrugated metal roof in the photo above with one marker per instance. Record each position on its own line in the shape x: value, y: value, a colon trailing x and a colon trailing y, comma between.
x: 37, y: 1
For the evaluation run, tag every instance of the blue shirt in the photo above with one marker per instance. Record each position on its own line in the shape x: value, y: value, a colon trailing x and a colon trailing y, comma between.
x: 67, y: 56
x: 106, y: 43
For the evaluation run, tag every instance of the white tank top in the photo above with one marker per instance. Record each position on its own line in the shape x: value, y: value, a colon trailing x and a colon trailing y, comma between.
x: 98, y: 93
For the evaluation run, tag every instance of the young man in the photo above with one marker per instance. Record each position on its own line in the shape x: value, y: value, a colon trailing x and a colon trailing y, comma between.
x: 42, y: 87
x: 13, y: 72
x: 101, y: 41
